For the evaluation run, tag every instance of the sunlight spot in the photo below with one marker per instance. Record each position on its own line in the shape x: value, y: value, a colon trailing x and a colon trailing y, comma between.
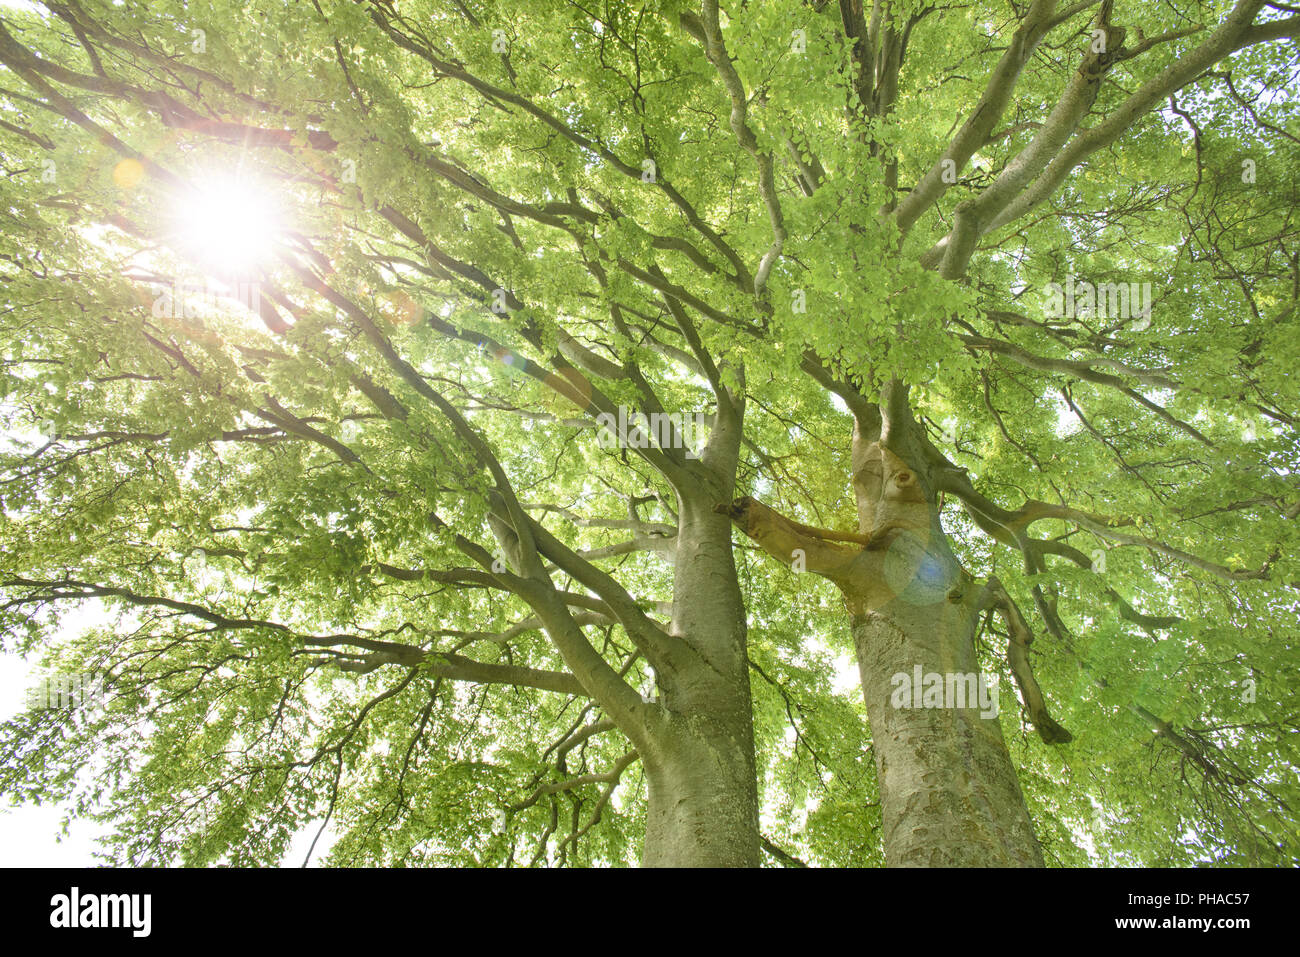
x: 228, y: 224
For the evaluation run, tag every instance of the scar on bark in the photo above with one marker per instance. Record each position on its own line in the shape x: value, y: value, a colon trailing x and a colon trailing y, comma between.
x: 996, y: 596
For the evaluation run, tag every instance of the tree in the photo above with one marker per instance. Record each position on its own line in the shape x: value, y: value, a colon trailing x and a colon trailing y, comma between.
x: 391, y: 375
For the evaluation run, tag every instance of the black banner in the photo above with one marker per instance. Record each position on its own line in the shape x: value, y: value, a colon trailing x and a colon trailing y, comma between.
x: 135, y: 907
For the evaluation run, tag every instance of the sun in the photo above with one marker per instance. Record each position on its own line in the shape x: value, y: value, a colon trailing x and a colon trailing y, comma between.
x: 230, y: 225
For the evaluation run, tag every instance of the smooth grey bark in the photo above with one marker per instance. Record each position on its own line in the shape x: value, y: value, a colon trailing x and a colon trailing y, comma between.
x: 948, y: 790
x: 701, y: 772
x: 703, y: 800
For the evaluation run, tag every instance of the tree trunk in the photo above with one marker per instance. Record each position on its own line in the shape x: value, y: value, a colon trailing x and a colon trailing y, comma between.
x: 948, y: 791
x: 703, y: 800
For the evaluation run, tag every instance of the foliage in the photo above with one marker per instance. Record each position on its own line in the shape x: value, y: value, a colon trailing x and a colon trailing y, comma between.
x: 283, y: 516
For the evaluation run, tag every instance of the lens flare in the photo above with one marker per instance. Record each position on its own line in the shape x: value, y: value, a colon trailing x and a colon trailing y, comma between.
x: 228, y: 225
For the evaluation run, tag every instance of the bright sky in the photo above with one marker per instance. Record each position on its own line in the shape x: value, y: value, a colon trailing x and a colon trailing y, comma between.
x: 30, y: 836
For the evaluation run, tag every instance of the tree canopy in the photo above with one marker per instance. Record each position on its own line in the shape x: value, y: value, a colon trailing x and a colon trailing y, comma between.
x: 316, y: 316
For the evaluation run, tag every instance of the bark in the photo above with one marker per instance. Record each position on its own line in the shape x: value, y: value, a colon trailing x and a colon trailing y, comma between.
x: 702, y: 811
x: 949, y: 792
x: 703, y: 792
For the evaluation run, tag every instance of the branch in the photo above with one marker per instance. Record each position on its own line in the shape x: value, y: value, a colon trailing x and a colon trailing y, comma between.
x: 996, y: 596
x: 792, y: 543
x: 988, y: 111
x: 716, y: 51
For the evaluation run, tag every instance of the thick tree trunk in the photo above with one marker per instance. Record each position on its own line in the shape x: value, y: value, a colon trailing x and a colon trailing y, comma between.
x: 948, y: 791
x: 703, y: 804
x: 703, y: 800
